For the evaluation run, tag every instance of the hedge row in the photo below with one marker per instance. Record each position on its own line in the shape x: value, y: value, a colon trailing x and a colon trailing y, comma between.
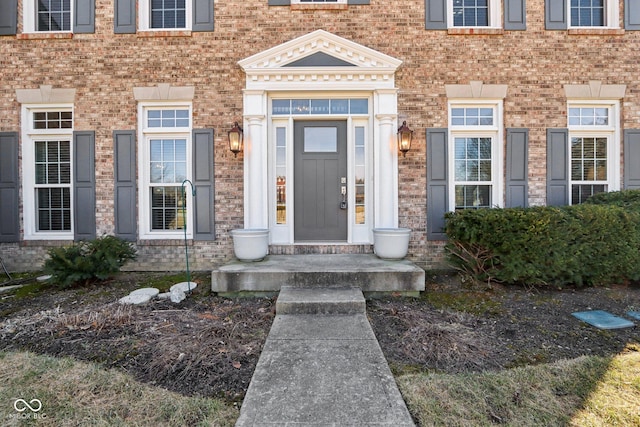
x: 593, y: 244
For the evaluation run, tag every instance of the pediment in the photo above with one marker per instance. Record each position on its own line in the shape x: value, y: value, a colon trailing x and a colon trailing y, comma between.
x: 319, y: 55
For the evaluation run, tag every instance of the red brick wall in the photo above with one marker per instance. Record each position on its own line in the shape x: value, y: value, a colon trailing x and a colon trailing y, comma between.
x: 104, y: 67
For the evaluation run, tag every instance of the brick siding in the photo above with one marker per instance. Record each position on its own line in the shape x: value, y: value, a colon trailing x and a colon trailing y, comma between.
x: 104, y: 67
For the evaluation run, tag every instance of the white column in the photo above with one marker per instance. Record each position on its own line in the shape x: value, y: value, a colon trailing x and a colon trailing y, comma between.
x: 256, y: 214
x: 386, y: 159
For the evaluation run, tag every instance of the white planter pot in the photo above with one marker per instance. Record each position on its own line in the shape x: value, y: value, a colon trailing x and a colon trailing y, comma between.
x: 391, y: 243
x: 250, y: 244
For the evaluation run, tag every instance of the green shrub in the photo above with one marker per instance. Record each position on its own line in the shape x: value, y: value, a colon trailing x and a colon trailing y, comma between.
x: 88, y: 261
x: 626, y: 199
x: 584, y: 245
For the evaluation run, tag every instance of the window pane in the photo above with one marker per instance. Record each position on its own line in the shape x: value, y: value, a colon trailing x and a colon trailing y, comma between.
x: 339, y: 106
x: 320, y: 106
x: 473, y: 196
x: 359, y: 106
x: 320, y: 139
x: 281, y: 106
x: 167, y: 208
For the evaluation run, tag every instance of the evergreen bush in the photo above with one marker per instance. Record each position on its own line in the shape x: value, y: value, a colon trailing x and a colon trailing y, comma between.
x: 586, y: 245
x: 88, y: 261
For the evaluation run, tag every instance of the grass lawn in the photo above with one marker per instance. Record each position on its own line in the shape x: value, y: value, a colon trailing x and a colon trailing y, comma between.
x: 587, y: 391
x: 75, y: 393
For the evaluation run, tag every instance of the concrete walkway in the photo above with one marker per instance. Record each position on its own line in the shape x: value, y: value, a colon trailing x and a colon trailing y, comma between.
x: 322, y: 366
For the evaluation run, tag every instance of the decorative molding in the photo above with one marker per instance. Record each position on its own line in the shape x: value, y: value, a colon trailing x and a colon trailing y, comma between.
x: 477, y: 90
x: 270, y: 66
x: 595, y: 90
x: 45, y: 95
x: 164, y: 92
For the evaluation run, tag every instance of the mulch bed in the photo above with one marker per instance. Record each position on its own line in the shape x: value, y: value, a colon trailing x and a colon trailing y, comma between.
x: 209, y: 346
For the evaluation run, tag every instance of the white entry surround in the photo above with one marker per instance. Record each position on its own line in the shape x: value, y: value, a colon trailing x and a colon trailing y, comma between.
x: 354, y: 71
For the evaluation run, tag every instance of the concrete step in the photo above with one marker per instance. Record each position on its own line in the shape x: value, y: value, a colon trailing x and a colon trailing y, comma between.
x: 364, y: 271
x: 328, y: 301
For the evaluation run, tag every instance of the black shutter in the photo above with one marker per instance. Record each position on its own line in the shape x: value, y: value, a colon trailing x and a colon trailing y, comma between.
x: 8, y: 17
x: 557, y: 167
x: 84, y: 16
x: 358, y: 2
x: 515, y: 15
x: 555, y: 15
x: 517, y: 168
x: 437, y: 183
x: 84, y: 185
x: 124, y: 146
x: 124, y: 19
x: 202, y: 15
x: 204, y: 227
x: 279, y: 2
x: 631, y: 15
x: 9, y: 185
x: 435, y: 12
x: 631, y: 159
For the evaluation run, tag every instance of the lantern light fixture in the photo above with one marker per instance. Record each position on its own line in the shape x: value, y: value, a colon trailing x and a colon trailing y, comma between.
x: 405, y: 135
x: 235, y: 139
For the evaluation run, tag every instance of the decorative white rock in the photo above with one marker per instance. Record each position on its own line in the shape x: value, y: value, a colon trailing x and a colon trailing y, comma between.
x: 184, y: 286
x: 177, y: 295
x: 136, y: 299
x: 152, y: 292
x: 43, y: 278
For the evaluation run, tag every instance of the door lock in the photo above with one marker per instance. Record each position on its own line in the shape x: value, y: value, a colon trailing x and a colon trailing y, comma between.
x: 343, y: 191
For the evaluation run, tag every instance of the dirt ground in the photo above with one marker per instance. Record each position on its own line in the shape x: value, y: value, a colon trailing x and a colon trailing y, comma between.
x: 209, y: 346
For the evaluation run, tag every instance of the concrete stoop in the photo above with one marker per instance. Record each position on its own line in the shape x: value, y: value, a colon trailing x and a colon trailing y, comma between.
x: 322, y: 366
x: 364, y: 271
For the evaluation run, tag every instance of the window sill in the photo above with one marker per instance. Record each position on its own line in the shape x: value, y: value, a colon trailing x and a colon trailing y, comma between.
x: 596, y: 32
x: 341, y: 6
x: 475, y: 31
x: 163, y: 33
x: 165, y: 242
x: 44, y: 36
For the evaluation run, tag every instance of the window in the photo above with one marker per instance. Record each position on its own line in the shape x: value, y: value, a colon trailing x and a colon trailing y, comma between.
x: 474, y: 13
x: 48, y: 180
x: 593, y: 138
x: 165, y: 14
x: 476, y: 156
x: 47, y: 15
x: 165, y: 162
x: 593, y: 13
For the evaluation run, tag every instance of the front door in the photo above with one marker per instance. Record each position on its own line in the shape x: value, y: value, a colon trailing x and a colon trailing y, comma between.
x: 320, y: 180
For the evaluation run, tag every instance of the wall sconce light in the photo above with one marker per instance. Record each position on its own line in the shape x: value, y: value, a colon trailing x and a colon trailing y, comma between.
x: 405, y: 135
x: 235, y: 139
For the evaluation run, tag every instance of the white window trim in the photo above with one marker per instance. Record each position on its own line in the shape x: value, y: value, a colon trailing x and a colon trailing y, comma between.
x: 611, y: 131
x: 29, y: 136
x: 144, y: 135
x: 495, y: 132
x: 495, y: 15
x: 611, y: 15
x: 29, y: 18
x: 318, y: 2
x: 144, y: 17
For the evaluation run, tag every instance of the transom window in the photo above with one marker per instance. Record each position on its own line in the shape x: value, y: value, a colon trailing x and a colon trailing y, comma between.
x: 320, y: 106
x: 54, y: 15
x: 165, y: 157
x: 475, y: 155
x: 592, y: 133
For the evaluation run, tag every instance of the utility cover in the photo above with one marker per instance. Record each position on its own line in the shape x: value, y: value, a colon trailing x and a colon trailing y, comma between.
x: 603, y: 320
